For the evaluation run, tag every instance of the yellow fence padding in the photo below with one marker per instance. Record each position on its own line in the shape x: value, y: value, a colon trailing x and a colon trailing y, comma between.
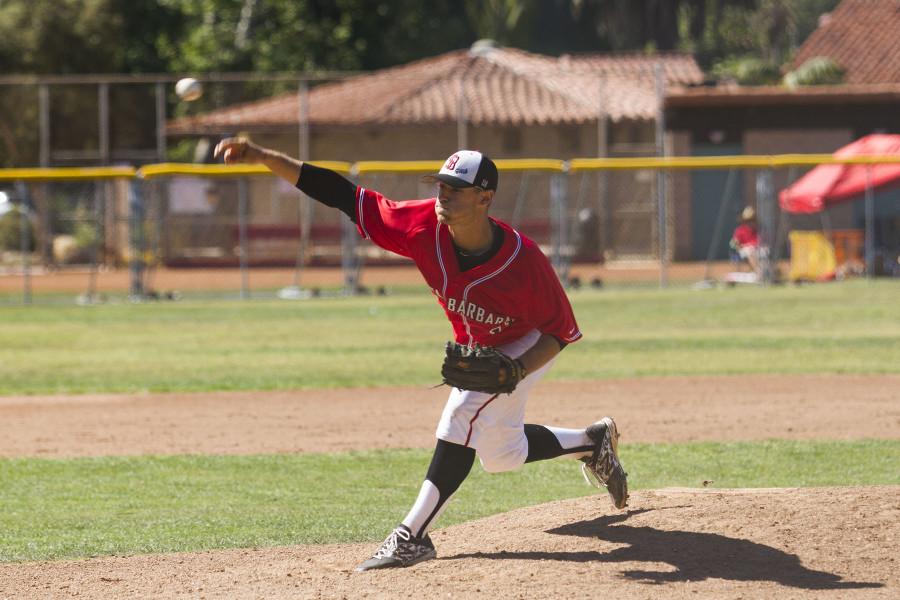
x: 220, y: 170
x: 424, y: 166
x: 66, y: 174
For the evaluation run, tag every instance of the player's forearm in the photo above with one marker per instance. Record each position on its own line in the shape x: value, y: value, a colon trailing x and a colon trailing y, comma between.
x: 546, y: 348
x: 282, y: 165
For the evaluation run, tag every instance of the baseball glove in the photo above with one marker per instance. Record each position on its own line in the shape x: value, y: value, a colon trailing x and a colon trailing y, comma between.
x: 481, y: 369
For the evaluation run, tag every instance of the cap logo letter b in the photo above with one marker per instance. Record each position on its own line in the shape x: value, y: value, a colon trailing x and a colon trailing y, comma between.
x: 451, y: 162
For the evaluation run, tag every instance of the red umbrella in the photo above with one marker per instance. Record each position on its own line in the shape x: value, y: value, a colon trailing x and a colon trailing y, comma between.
x: 831, y: 184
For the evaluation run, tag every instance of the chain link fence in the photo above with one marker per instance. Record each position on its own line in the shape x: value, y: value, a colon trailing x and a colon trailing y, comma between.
x: 62, y: 230
x: 183, y: 231
x: 100, y: 120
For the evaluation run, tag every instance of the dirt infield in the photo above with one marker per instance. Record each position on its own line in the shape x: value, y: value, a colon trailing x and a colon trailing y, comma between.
x: 653, y: 409
x: 836, y: 543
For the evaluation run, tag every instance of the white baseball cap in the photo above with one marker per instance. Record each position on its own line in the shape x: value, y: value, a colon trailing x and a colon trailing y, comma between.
x: 467, y: 168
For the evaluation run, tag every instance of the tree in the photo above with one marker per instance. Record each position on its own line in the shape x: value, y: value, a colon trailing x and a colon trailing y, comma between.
x: 134, y: 36
x: 500, y: 20
x: 313, y: 35
x: 84, y: 36
x: 760, y: 39
x: 733, y: 37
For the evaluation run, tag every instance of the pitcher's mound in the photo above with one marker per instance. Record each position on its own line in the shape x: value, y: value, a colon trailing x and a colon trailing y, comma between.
x: 669, y: 543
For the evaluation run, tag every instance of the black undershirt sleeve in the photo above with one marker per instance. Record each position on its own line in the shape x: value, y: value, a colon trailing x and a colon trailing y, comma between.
x: 329, y: 188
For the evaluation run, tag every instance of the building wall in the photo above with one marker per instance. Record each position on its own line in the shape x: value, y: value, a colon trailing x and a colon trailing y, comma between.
x: 414, y: 142
x: 758, y: 142
x: 862, y: 114
x: 800, y: 141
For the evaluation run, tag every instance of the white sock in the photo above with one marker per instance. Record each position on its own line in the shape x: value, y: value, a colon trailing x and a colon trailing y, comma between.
x: 572, y: 438
x: 425, y: 511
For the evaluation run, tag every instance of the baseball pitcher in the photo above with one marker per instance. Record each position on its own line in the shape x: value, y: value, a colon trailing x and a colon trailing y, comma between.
x: 510, y: 319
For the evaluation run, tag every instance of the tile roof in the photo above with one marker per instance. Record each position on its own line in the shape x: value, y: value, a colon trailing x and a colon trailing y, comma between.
x: 863, y: 36
x: 500, y: 85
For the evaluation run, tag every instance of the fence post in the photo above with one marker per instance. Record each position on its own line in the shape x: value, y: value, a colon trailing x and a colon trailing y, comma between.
x: 103, y: 118
x: 662, y: 220
x: 306, y: 205
x: 604, y: 208
x: 242, y: 235
x: 349, y: 259
x: 44, y: 123
x: 765, y: 203
x: 45, y: 237
x: 136, y: 238
x: 96, y: 229
x: 559, y: 242
x: 161, y: 144
x: 350, y: 242
x: 24, y: 239
x: 870, y: 225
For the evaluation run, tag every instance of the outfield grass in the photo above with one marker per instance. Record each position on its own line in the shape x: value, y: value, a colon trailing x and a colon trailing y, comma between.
x: 850, y: 327
x: 98, y: 506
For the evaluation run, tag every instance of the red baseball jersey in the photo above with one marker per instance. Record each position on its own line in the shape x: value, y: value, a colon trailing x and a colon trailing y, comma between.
x: 746, y: 236
x: 492, y: 304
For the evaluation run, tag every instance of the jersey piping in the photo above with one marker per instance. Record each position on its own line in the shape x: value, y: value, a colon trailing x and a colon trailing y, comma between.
x: 360, y: 194
x: 400, y: 230
x: 474, y: 418
x: 465, y: 296
x: 440, y: 257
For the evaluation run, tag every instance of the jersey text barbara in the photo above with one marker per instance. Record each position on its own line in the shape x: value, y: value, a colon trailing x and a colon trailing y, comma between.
x: 495, y: 303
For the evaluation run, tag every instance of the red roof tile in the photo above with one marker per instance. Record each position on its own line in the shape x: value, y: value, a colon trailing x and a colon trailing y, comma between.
x: 500, y: 85
x: 863, y: 36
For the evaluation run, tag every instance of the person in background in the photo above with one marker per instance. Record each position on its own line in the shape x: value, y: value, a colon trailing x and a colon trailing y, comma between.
x: 745, y: 239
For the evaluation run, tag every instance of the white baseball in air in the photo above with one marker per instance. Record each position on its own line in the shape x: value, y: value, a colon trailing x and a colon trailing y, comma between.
x: 189, y: 89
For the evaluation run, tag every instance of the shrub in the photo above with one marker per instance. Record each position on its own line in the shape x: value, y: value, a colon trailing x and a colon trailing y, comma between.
x: 11, y: 232
x: 819, y: 70
x: 748, y: 71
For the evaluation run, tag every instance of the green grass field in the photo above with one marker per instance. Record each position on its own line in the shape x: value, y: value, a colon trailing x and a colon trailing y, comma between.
x: 96, y: 506
x: 215, y: 345
x: 53, y: 508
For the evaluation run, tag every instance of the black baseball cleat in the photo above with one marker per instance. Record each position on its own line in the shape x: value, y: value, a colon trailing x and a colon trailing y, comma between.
x: 602, y: 468
x: 400, y: 549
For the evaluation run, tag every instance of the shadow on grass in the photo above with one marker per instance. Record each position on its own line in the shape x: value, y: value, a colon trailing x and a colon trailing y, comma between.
x: 695, y: 556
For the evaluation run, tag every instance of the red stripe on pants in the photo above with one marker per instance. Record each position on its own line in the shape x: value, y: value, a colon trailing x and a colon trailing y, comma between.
x: 478, y: 412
